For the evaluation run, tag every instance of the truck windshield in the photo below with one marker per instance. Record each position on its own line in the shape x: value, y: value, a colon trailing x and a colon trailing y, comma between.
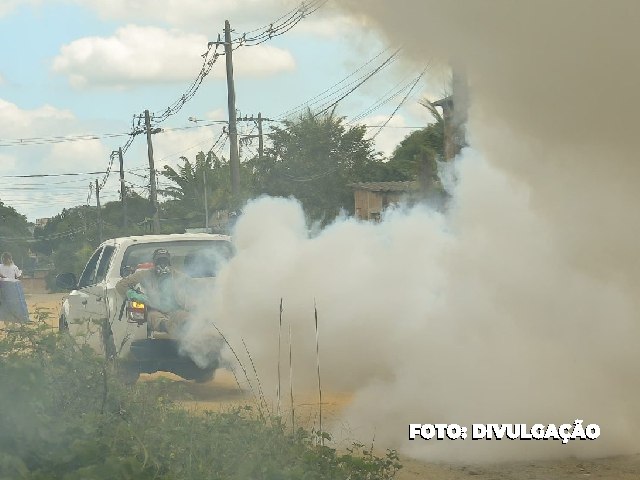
x: 196, y: 258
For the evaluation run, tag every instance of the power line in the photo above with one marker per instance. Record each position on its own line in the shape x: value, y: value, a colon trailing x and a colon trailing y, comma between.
x: 376, y: 70
x: 53, y: 236
x: 209, y: 60
x: 19, y: 142
x: 280, y: 26
x: 401, y: 102
x: 313, y: 177
x: 38, y: 175
x: 331, y: 97
x: 329, y: 89
x: 389, y: 95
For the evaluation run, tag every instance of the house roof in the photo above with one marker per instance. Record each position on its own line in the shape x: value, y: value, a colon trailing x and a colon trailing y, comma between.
x: 386, y: 186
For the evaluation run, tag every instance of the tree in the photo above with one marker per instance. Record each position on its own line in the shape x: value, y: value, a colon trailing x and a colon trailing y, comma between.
x: 208, y: 176
x: 139, y: 212
x: 68, y: 238
x: 417, y: 154
x: 14, y: 233
x: 314, y: 158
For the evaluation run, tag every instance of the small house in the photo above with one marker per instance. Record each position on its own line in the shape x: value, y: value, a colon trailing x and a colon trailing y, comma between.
x: 372, y: 198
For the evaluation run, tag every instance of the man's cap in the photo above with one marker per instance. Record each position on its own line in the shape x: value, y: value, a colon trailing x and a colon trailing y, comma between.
x: 160, y: 253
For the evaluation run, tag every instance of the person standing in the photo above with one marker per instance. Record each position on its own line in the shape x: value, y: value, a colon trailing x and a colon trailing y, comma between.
x: 8, y: 269
x: 13, y: 307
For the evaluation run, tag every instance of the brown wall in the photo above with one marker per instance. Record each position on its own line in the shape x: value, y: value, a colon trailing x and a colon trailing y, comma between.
x: 366, y: 203
x: 34, y: 285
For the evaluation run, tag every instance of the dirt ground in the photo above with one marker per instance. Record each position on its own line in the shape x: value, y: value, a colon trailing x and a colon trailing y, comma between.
x: 45, y: 305
x: 223, y: 393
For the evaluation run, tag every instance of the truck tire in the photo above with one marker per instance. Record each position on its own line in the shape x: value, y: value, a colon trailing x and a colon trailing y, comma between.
x: 190, y: 371
x: 63, y: 326
x: 204, y: 375
x: 128, y: 372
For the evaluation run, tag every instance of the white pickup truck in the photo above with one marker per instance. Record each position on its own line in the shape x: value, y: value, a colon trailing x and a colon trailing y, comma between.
x: 95, y: 313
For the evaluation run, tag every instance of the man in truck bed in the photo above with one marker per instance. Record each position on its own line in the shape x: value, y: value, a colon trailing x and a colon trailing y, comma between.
x: 165, y: 291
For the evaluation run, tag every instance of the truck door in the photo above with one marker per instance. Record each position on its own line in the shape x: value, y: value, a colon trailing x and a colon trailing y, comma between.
x: 88, y: 301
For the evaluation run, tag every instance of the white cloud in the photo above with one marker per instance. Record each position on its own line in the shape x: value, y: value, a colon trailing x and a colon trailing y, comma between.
x: 259, y: 61
x: 217, y: 114
x: 7, y: 162
x: 8, y: 6
x: 194, y: 15
x: 170, y: 145
x: 43, y: 157
x: 331, y: 24
x: 390, y: 136
x: 83, y: 156
x: 18, y: 123
x: 136, y: 54
x: 208, y: 18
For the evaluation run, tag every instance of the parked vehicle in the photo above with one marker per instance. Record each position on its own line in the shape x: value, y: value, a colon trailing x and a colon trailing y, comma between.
x: 95, y: 313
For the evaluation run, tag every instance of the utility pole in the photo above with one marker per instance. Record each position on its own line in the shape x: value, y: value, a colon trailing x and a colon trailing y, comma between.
x: 460, y: 93
x: 122, y: 191
x: 259, y: 119
x: 152, y: 174
x: 454, y: 114
x: 206, y: 208
x: 260, y: 140
x: 234, y: 160
x: 99, y: 213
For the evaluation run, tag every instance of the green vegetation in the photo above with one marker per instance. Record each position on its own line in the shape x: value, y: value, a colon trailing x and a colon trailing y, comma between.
x: 14, y: 230
x: 314, y: 158
x: 64, y: 415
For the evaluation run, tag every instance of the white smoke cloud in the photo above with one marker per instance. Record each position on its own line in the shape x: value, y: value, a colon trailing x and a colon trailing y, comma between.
x: 544, y: 252
x: 473, y: 317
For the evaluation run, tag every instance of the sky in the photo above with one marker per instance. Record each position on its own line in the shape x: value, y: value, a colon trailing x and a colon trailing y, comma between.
x: 71, y: 68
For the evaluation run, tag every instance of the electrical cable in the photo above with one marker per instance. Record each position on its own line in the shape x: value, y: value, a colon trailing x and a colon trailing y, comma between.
x: 311, y: 100
x: 389, y: 95
x: 401, y: 102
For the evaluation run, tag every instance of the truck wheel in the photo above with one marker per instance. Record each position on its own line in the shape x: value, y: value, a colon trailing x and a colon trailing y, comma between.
x: 204, y: 375
x: 190, y: 371
x: 128, y: 373
x: 63, y: 326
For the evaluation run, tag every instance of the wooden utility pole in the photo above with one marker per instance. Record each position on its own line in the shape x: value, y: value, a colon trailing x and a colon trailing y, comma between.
x: 259, y: 119
x: 99, y: 213
x: 454, y: 114
x: 152, y: 174
x: 234, y: 159
x: 122, y: 191
x: 260, y: 140
x: 460, y: 93
x: 206, y: 207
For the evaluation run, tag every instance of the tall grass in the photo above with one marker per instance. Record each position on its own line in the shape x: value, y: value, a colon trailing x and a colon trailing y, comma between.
x: 64, y: 414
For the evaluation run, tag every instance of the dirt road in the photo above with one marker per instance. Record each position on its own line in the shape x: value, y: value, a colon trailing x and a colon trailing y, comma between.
x: 45, y: 305
x: 223, y: 393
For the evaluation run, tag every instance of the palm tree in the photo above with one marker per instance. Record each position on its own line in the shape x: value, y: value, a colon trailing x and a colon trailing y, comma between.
x: 199, y: 186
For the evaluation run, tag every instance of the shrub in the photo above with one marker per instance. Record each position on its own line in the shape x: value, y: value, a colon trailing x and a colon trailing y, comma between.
x: 64, y: 414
